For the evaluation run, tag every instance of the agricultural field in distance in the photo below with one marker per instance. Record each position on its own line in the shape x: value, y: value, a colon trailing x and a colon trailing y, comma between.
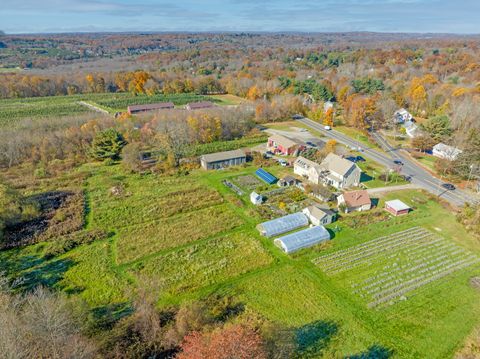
x: 14, y: 110
x: 186, y: 237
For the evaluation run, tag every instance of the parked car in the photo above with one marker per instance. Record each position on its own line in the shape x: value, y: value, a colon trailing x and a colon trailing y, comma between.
x: 283, y: 163
x: 398, y: 162
x: 311, y: 144
x: 297, y: 117
x: 328, y: 128
x: 356, y: 159
x: 268, y: 154
x: 448, y: 186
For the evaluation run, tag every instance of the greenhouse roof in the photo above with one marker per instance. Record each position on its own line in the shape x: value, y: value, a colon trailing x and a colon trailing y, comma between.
x: 283, y: 224
x: 302, y: 239
x: 266, y: 176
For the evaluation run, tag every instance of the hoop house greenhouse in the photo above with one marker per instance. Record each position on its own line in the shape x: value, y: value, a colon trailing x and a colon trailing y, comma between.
x: 282, y: 224
x: 302, y: 239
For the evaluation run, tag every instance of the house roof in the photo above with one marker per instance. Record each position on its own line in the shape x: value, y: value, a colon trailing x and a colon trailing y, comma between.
x: 289, y: 178
x: 199, y: 105
x: 306, y: 163
x: 283, y: 141
x: 356, y: 198
x: 337, y: 164
x: 223, y: 156
x: 449, y: 150
x: 397, y: 205
x: 151, y: 106
x: 318, y: 212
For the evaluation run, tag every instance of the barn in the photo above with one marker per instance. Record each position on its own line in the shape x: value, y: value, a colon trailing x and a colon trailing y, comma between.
x: 397, y: 207
x: 199, y: 105
x: 302, y: 239
x: 219, y: 160
x: 283, y: 224
x: 150, y: 107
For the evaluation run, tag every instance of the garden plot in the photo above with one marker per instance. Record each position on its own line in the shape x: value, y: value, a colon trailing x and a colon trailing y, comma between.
x: 248, y: 182
x: 384, y: 270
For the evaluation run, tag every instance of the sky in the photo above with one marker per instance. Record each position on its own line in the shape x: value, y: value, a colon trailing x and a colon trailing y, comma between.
x: 435, y: 16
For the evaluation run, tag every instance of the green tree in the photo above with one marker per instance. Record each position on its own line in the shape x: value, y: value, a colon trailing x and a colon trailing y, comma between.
x: 107, y: 144
x: 438, y: 127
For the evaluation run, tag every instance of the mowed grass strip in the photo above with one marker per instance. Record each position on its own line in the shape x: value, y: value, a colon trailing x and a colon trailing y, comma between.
x: 134, y: 210
x: 93, y: 277
x: 204, y: 263
x: 137, y: 241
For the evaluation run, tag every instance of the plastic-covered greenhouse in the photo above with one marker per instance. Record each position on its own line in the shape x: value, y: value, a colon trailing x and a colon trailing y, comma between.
x: 283, y: 224
x: 302, y: 239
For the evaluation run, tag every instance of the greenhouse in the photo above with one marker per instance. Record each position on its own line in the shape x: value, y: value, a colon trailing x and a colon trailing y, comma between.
x: 265, y: 176
x: 282, y: 224
x: 302, y: 239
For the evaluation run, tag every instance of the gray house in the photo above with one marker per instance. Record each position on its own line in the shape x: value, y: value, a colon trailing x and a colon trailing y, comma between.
x: 219, y: 160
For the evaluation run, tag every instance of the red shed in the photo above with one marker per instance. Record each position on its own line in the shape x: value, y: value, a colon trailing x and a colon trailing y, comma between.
x: 397, y: 207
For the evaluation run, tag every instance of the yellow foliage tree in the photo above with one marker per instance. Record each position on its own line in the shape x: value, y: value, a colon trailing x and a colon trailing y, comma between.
x: 253, y: 93
x: 328, y: 118
x: 330, y: 146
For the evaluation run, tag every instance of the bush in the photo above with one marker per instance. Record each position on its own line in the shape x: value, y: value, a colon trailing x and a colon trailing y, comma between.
x: 67, y: 243
x: 107, y: 144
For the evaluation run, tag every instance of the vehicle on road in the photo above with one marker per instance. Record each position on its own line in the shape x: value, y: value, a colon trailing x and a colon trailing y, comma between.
x: 328, y: 128
x: 448, y: 186
x: 356, y: 159
x: 398, y: 162
x: 297, y: 117
x: 407, y: 178
x: 311, y: 144
x: 303, y: 130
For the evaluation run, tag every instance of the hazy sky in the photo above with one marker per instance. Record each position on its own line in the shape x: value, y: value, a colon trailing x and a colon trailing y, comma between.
x: 453, y: 16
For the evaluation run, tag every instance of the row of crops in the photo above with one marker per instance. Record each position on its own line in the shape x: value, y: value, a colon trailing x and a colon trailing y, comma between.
x: 382, y: 271
x: 13, y: 110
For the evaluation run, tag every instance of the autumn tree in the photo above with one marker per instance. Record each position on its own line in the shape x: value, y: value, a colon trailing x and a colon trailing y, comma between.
x: 328, y: 118
x: 231, y: 341
x: 423, y: 143
x: 330, y: 146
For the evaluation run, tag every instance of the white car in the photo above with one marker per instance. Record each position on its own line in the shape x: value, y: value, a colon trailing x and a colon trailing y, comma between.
x: 328, y: 128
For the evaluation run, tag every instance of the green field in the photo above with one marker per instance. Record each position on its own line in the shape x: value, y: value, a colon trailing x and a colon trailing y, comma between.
x: 13, y: 110
x: 186, y: 237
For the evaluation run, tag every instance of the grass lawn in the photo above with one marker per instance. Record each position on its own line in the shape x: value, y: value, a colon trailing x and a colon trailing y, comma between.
x: 372, y: 171
x: 185, y: 237
x: 428, y: 161
x: 228, y: 99
x: 357, y: 135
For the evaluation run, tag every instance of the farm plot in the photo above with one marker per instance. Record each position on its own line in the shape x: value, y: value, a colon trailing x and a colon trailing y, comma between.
x: 384, y: 270
x: 248, y: 182
x: 204, y: 263
x: 136, y: 210
x: 140, y: 240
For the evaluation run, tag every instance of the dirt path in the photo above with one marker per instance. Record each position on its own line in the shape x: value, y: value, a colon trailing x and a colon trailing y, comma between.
x: 392, y: 188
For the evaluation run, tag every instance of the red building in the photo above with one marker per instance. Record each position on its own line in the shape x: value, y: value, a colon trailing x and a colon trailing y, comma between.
x: 150, y: 107
x: 285, y: 146
x: 397, y: 207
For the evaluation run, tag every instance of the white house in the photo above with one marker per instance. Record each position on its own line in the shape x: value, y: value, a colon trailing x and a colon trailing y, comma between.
x: 442, y: 150
x: 333, y: 171
x: 355, y: 201
x: 319, y: 216
x: 255, y: 198
x: 402, y: 116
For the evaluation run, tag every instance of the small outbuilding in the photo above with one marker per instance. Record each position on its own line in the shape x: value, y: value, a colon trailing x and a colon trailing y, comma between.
x: 302, y: 239
x: 255, y: 198
x: 447, y: 152
x: 133, y: 109
x: 320, y: 216
x: 397, y: 207
x: 287, y: 181
x: 283, y: 224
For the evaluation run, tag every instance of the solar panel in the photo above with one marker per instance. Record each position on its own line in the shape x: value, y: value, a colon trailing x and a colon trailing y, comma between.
x: 266, y: 176
x: 283, y: 224
x: 302, y: 239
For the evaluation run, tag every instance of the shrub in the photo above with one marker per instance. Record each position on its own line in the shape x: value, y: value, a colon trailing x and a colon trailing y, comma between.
x: 107, y: 145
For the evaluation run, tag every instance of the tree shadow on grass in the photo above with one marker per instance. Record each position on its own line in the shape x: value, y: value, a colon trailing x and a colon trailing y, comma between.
x: 374, y: 352
x: 312, y: 338
x: 105, y: 317
x: 47, y: 274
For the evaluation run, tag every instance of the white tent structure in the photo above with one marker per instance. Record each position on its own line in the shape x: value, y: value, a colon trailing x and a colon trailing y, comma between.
x: 283, y: 224
x: 302, y: 239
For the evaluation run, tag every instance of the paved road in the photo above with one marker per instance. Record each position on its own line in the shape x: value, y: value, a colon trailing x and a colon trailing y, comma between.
x: 419, y: 176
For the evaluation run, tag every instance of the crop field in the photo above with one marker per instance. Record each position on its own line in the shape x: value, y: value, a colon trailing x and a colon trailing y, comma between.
x: 137, y: 241
x: 204, y: 263
x: 387, y: 269
x: 13, y: 110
